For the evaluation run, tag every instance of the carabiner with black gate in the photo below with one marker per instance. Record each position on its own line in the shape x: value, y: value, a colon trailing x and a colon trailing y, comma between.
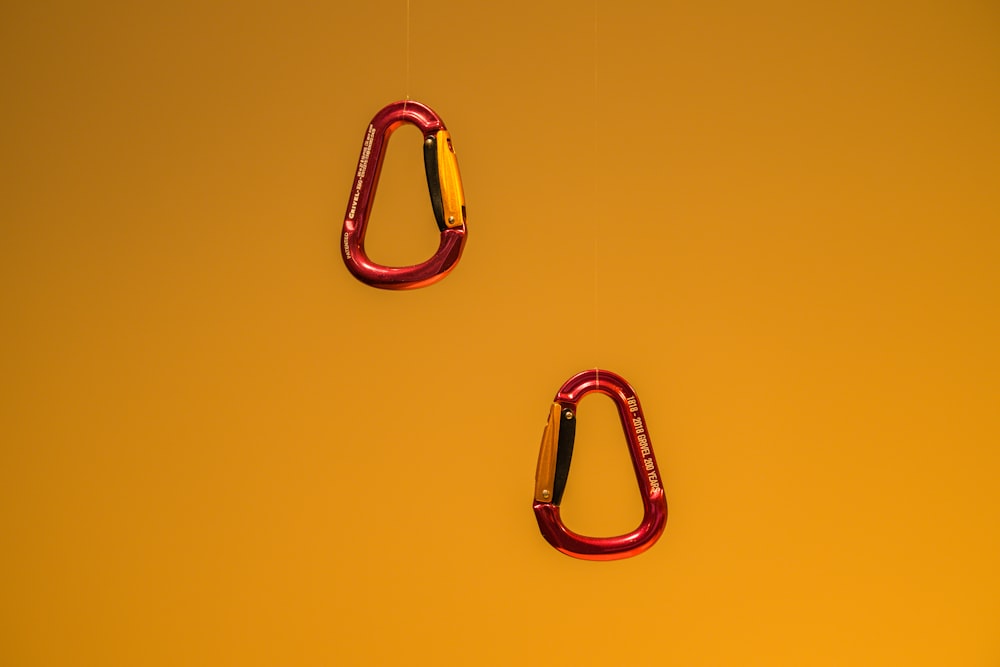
x: 443, y: 182
x: 553, y: 470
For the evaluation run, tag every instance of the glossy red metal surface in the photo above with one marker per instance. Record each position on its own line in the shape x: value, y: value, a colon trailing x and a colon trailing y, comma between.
x: 647, y: 474
x: 359, y: 206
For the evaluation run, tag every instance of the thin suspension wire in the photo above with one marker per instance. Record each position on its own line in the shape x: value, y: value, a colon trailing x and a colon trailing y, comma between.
x: 406, y: 85
x: 595, y: 217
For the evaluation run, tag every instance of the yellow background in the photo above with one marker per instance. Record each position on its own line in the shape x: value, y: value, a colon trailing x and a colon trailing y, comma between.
x: 780, y: 221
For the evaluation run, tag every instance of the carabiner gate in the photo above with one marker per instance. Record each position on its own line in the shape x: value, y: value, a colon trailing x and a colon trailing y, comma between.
x: 553, y: 470
x: 443, y: 182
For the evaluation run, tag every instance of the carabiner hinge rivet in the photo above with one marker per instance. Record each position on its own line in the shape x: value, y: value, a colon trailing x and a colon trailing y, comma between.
x: 568, y: 414
x: 546, y: 494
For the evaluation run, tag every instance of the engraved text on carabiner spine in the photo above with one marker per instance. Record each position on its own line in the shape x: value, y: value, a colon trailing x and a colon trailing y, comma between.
x: 640, y: 435
x: 366, y: 150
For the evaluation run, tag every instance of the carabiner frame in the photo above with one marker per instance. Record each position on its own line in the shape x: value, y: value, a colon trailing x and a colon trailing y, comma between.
x: 444, y: 185
x: 554, y: 460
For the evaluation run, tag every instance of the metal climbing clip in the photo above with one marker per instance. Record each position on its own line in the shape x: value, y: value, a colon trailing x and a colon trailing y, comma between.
x: 443, y: 182
x: 553, y: 470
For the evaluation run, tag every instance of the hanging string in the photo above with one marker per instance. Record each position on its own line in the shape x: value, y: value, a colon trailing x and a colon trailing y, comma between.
x: 595, y: 217
x: 406, y: 84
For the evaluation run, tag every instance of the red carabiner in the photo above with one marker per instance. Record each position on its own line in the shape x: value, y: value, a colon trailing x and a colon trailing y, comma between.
x: 443, y: 182
x: 553, y: 470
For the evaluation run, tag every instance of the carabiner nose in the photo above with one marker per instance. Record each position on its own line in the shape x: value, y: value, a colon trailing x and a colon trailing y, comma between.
x: 444, y: 184
x: 553, y: 470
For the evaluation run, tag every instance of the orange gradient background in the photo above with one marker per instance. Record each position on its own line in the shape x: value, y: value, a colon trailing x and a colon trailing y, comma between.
x: 780, y: 221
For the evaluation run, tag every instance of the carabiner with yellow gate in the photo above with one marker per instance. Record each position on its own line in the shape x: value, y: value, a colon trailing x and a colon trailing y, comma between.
x: 553, y: 470
x: 443, y: 182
